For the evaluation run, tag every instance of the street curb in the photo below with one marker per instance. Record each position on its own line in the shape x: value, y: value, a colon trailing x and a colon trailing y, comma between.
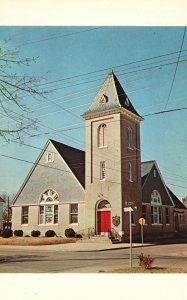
x: 119, y: 248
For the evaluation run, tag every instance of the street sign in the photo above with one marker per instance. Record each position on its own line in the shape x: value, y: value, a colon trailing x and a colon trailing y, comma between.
x: 141, y: 221
x: 126, y: 209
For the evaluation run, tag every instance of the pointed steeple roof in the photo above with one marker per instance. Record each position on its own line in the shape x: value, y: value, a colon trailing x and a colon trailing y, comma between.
x: 110, y: 96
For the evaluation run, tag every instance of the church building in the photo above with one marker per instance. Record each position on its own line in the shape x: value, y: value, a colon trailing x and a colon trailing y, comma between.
x: 88, y: 191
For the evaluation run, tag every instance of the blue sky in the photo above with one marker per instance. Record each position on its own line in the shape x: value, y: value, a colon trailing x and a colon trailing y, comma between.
x: 63, y: 53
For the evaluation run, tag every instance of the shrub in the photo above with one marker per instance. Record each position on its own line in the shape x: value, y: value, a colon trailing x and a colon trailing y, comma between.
x: 69, y: 232
x: 6, y: 233
x: 78, y: 236
x: 145, y: 261
x: 50, y: 233
x: 35, y: 233
x: 18, y: 232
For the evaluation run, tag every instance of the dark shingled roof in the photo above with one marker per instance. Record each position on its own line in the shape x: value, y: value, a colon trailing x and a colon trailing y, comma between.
x: 146, y: 167
x: 74, y: 158
x: 115, y: 97
x: 176, y: 201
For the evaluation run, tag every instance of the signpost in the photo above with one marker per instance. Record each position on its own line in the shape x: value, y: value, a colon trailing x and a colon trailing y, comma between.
x: 141, y: 222
x: 130, y: 209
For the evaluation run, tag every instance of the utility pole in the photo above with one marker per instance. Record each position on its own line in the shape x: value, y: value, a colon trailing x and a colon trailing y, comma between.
x: 130, y: 233
x: 130, y: 209
x: 8, y: 211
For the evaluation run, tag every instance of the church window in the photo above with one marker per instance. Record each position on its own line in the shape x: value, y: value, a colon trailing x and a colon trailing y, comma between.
x: 48, y: 209
x: 154, y: 173
x: 130, y: 137
x: 74, y: 213
x: 103, y: 100
x: 102, y: 170
x: 104, y: 204
x: 24, y: 215
x: 127, y: 101
x: 167, y: 216
x: 102, y: 136
x: 50, y: 157
x: 144, y: 212
x: 156, y: 212
x: 130, y: 171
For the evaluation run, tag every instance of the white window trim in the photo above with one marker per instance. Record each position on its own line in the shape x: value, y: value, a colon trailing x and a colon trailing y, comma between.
x: 168, y: 215
x: 54, y: 201
x: 102, y: 141
x: 47, y: 157
x: 102, y: 175
x: 24, y: 224
x: 130, y: 138
x: 73, y: 213
x: 44, y: 214
x: 130, y: 172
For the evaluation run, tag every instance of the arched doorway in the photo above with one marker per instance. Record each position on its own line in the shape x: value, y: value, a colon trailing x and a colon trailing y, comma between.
x: 103, y: 217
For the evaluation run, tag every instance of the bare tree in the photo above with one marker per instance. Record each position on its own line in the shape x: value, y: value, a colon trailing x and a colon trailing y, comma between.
x: 14, y: 87
x: 7, y: 210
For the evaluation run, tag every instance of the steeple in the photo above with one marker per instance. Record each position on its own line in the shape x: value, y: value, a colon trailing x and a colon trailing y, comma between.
x: 110, y: 96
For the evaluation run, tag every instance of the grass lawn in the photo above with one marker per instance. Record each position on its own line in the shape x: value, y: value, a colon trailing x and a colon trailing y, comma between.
x: 143, y: 270
x: 35, y: 241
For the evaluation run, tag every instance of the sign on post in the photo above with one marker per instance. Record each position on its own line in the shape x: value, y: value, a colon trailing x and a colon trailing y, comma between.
x: 141, y: 222
x: 130, y: 209
x: 126, y: 209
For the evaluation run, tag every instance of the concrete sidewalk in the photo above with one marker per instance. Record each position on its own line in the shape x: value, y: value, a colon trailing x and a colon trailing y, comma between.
x: 75, y: 247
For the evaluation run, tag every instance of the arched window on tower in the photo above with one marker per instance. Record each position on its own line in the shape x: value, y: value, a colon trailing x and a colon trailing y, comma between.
x: 130, y: 137
x: 102, y: 136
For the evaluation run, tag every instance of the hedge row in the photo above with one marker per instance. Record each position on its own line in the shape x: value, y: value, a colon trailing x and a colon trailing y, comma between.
x: 69, y: 232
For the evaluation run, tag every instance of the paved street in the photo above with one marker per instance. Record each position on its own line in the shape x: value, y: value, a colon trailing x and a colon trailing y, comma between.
x: 50, y: 259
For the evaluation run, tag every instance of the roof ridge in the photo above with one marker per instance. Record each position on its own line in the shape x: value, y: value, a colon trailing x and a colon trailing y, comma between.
x: 68, y: 146
x: 148, y: 161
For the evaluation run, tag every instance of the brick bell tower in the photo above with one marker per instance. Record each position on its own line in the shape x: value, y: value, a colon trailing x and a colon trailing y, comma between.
x: 113, y: 164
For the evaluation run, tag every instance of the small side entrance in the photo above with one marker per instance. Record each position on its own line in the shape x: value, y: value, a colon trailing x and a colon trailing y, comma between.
x: 103, y: 214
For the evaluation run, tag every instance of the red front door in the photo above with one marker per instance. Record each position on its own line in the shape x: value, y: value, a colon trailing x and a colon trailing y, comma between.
x: 104, y: 221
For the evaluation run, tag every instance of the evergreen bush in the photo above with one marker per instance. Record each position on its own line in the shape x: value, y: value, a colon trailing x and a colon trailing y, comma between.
x: 6, y: 233
x: 18, y: 232
x: 35, y: 233
x: 69, y: 232
x: 50, y: 233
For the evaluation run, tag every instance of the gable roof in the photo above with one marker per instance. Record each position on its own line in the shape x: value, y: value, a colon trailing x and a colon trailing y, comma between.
x: 176, y: 201
x: 114, y: 97
x: 74, y: 158
x: 146, y: 168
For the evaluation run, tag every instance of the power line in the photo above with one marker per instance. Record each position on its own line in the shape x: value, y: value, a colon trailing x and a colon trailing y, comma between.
x: 175, y: 72
x: 113, y: 67
x: 126, y: 157
x: 67, y: 109
x: 165, y: 111
x: 60, y: 36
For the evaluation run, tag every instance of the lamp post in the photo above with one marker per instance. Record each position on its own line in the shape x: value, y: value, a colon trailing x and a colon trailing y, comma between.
x: 130, y: 209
